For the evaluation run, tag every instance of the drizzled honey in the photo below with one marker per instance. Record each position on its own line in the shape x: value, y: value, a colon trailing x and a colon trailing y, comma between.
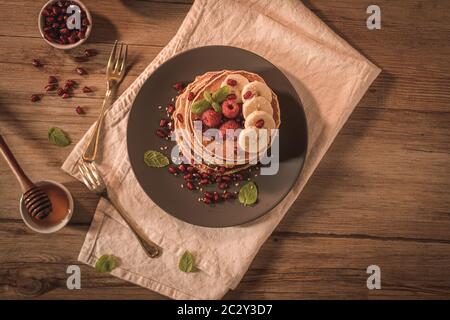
x: 60, y: 205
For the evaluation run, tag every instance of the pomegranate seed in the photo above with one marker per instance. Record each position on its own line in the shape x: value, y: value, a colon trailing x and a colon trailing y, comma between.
x: 259, y: 124
x: 172, y: 170
x: 231, y: 82
x: 208, y: 195
x: 65, y: 95
x: 50, y: 87
x: 226, y: 178
x: 178, y: 86
x: 36, y: 63
x: 170, y: 125
x: 52, y: 79
x: 204, y: 181
x: 190, y: 169
x: 223, y: 185
x: 60, y: 91
x: 180, y: 117
x: 80, y: 71
x: 219, y: 179
x: 238, y: 176
x: 87, y: 89
x: 35, y: 98
x: 63, y: 30
x: 163, y: 123
x: 190, y: 185
x: 79, y: 110
x: 248, y: 95
x: 160, y: 133
x: 90, y: 52
x: 182, y: 168
x: 45, y: 12
x: 49, y: 20
x: 170, y: 108
x: 191, y: 96
x: 216, y: 197
x: 207, y: 201
x: 188, y: 176
x: 80, y: 59
x: 228, y: 195
x: 70, y: 83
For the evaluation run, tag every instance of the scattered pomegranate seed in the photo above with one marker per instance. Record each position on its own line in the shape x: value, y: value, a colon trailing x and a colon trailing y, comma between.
x: 208, y: 195
x: 191, y: 96
x: 226, y: 178
x: 70, y: 83
x: 90, y: 52
x: 259, y: 124
x: 217, y: 197
x: 81, y: 71
x: 87, y: 89
x: 248, y: 95
x: 207, y: 201
x: 180, y: 117
x: 36, y: 63
x: 52, y: 79
x: 178, y: 86
x: 65, y: 95
x: 223, y: 185
x: 50, y: 87
x: 170, y: 108
x: 35, y: 98
x: 79, y: 110
x: 204, y: 181
x: 172, y: 170
x: 160, y: 133
x: 190, y: 185
x: 188, y: 176
x: 190, y: 169
x: 163, y: 123
x: 231, y: 82
x: 170, y: 125
x: 80, y: 59
x: 60, y: 91
x: 182, y: 167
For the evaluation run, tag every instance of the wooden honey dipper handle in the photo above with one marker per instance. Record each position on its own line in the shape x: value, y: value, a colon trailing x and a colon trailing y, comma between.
x: 24, y: 181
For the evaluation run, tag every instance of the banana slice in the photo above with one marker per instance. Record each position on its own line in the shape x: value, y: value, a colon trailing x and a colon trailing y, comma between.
x: 253, y: 140
x: 241, y: 82
x: 257, y: 89
x: 260, y: 120
x: 256, y: 104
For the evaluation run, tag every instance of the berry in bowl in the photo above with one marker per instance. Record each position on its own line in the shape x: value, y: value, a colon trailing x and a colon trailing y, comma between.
x: 58, y: 23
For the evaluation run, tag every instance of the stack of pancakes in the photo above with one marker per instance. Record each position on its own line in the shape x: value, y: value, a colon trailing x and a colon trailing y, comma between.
x: 207, y: 154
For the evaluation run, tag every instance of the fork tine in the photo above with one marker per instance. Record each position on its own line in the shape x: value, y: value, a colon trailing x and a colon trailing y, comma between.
x: 87, y: 176
x: 95, y: 174
x: 124, y: 60
x: 112, y: 57
x: 118, y: 57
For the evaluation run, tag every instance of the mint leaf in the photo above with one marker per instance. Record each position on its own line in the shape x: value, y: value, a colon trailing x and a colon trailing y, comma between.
x: 155, y: 159
x: 248, y: 194
x: 208, y: 97
x: 58, y: 137
x: 186, y: 263
x: 221, y: 94
x: 106, y: 263
x: 200, y: 106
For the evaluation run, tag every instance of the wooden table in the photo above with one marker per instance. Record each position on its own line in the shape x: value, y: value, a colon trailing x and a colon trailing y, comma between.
x: 379, y: 197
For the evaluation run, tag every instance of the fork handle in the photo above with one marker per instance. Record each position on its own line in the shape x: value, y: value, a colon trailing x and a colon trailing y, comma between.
x: 91, y: 149
x: 150, y: 248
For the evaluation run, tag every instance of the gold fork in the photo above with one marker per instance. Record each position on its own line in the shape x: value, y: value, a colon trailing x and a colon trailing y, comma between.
x: 115, y: 71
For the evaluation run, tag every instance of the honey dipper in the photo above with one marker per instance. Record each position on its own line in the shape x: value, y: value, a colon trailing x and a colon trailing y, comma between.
x: 36, y: 201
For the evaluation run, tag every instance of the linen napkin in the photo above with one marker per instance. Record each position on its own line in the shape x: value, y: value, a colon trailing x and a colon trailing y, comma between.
x: 328, y: 74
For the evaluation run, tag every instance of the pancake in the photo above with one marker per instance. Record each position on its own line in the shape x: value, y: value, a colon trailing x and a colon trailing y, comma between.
x: 210, y: 154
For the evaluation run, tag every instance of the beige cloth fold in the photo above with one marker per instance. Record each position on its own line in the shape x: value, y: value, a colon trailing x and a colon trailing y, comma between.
x: 328, y: 74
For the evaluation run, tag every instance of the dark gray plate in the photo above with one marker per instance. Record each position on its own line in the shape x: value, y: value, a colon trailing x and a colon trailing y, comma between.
x: 163, y: 188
